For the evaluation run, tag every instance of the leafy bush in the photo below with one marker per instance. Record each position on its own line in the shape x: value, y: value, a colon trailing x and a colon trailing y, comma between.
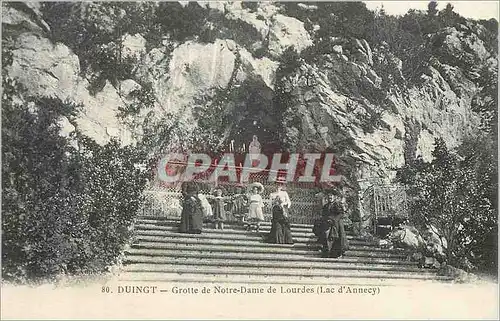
x: 112, y: 190
x: 143, y: 98
x: 457, y: 192
x: 486, y: 101
x: 181, y: 22
x: 490, y: 37
x: 67, y: 202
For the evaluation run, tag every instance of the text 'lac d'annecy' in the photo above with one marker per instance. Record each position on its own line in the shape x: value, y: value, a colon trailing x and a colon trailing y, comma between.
x: 302, y: 168
x: 282, y: 289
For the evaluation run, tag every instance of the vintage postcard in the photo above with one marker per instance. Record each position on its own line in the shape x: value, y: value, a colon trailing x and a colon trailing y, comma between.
x: 250, y: 160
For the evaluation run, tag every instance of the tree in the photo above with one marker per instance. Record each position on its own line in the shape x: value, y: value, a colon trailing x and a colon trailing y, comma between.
x: 68, y: 203
x: 457, y: 193
x: 431, y: 8
x: 39, y: 210
x: 449, y: 17
x: 349, y: 19
x: 480, y: 226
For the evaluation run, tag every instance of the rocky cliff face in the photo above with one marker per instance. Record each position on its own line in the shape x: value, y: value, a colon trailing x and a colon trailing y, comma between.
x: 337, y: 97
x: 334, y: 107
x: 45, y: 68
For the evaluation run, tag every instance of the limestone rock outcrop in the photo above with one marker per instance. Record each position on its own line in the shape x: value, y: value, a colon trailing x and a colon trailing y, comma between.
x: 47, y: 69
x: 339, y: 96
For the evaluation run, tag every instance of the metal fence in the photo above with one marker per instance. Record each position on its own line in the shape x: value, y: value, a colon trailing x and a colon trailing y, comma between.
x: 166, y: 202
x: 383, y: 202
x: 378, y: 200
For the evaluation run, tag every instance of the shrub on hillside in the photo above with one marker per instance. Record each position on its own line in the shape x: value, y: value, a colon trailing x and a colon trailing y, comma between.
x: 457, y: 192
x: 68, y: 203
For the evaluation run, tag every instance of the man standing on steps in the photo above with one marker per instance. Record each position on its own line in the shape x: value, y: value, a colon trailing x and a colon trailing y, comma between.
x: 330, y: 228
x: 192, y: 212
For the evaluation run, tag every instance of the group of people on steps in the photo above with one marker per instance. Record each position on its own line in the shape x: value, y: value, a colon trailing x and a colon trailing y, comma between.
x: 328, y: 228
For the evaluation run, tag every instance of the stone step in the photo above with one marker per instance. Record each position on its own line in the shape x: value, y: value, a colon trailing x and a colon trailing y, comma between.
x: 254, y: 271
x: 178, y: 220
x: 270, y: 250
x: 232, y: 231
x: 160, y: 253
x: 263, y: 225
x: 249, y: 236
x: 263, y: 257
x: 332, y: 265
x: 179, y: 239
x: 168, y: 279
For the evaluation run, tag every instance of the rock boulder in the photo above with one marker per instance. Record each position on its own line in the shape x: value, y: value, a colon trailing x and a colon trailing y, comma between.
x: 407, y: 238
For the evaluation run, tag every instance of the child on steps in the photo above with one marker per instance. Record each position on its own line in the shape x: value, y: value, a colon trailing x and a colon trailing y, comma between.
x: 239, y: 205
x: 219, y: 213
x: 255, y: 213
x: 205, y: 205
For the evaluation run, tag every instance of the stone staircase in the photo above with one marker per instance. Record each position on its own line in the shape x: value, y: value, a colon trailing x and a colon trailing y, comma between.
x: 234, y: 255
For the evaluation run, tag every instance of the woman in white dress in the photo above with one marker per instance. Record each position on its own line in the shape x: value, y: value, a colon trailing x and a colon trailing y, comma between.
x: 283, y: 197
x: 205, y: 205
x: 256, y: 204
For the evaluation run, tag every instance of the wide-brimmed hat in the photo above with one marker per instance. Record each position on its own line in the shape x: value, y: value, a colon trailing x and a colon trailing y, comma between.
x: 257, y: 185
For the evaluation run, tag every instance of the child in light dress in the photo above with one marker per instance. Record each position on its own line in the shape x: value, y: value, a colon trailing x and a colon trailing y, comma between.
x: 205, y: 205
x: 255, y: 213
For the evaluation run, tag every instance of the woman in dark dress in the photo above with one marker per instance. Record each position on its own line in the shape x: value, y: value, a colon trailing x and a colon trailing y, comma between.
x: 280, y: 229
x: 330, y: 229
x: 192, y: 212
